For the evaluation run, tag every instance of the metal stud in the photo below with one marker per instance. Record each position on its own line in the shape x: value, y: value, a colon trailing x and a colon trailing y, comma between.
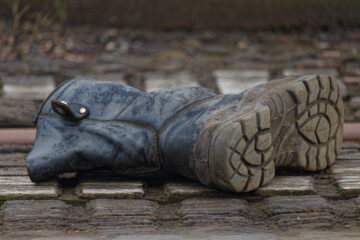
x: 63, y: 102
x: 82, y: 110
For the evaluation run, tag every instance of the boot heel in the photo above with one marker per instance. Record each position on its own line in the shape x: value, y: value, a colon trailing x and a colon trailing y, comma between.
x: 317, y: 130
x: 241, y: 154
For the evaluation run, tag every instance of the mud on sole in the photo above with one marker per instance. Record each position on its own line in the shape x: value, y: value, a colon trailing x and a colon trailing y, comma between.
x: 295, y: 122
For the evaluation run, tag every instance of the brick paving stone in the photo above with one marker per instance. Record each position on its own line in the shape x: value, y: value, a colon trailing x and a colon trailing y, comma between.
x: 28, y: 87
x: 297, y: 204
x: 13, y: 171
x: 26, y: 192
x: 13, y: 159
x: 349, y: 183
x: 123, y: 214
x: 288, y: 185
x: 346, y: 166
x: 33, y: 215
x: 187, y: 189
x: 307, y: 220
x: 157, y: 81
x: 214, y: 211
x: 236, y: 81
x: 347, y: 172
x: 110, y: 189
x: 328, y: 71
x: 21, y: 180
x: 18, y: 187
x: 348, y: 156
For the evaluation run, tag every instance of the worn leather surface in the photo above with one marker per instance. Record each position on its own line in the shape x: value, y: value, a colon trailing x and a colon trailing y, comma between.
x: 126, y: 130
x: 178, y: 140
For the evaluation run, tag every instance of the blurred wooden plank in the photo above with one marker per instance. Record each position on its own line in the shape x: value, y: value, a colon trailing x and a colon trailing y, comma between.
x: 21, y: 187
x: 35, y: 215
x: 355, y: 155
x: 212, y: 211
x: 18, y: 112
x: 156, y: 81
x: 288, y: 185
x: 346, y: 167
x: 28, y: 87
x: 25, y: 192
x: 21, y: 96
x: 236, y: 81
x: 348, y: 183
x: 17, y: 136
x: 13, y: 159
x: 110, y: 190
x: 22, y: 180
x: 187, y: 189
x: 13, y: 171
x: 352, y: 132
x: 131, y: 214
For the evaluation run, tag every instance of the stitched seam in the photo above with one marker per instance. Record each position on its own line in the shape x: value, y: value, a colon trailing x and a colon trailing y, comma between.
x: 134, y: 123
x: 186, y: 109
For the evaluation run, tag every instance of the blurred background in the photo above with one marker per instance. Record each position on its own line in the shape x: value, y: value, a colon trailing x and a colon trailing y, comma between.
x: 227, y: 45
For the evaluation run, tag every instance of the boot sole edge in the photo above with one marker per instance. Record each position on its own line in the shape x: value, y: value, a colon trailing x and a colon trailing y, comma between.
x: 296, y: 123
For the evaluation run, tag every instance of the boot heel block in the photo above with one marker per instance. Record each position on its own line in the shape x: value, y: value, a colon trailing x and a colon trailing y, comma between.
x: 294, y: 122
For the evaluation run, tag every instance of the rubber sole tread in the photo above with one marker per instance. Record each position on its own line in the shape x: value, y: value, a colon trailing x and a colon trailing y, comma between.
x: 295, y: 123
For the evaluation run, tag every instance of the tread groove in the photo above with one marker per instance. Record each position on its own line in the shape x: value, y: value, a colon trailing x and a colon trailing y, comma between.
x: 301, y: 140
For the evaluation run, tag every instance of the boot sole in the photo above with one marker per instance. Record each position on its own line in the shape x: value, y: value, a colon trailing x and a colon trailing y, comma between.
x: 296, y: 123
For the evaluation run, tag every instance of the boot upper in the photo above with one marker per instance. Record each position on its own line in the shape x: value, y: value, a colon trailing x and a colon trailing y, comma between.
x: 110, y: 125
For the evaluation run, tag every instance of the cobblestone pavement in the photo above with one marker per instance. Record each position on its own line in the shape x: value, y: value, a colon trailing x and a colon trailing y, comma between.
x: 100, y: 204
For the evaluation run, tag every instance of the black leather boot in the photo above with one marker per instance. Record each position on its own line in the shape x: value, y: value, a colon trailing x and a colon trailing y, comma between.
x: 233, y: 142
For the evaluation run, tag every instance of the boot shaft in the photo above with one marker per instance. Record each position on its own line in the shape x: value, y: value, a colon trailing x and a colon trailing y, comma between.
x: 86, y: 124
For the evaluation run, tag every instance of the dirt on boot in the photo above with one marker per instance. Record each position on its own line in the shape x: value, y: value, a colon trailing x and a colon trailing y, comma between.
x: 292, y: 122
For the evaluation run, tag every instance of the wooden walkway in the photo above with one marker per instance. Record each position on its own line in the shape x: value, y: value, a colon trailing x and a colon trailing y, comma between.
x: 100, y: 202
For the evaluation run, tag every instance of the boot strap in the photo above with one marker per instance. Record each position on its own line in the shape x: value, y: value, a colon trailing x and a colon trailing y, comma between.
x: 75, y: 111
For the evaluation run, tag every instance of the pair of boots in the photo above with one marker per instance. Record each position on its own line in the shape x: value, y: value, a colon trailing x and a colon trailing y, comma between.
x: 233, y: 142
